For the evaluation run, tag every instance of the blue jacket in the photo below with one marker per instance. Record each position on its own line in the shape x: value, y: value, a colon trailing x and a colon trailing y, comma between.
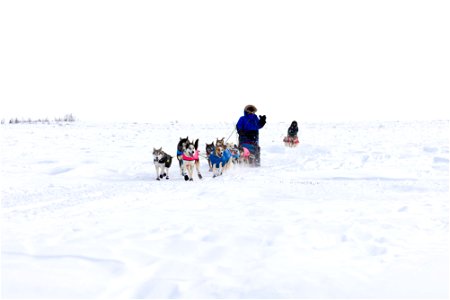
x: 215, y: 160
x: 226, y: 156
x: 248, y: 128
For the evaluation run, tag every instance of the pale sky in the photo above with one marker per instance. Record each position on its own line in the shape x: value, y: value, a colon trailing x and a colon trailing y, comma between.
x: 205, y: 60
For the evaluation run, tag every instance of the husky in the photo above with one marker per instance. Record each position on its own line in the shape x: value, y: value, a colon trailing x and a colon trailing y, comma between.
x: 220, y: 143
x: 244, y: 155
x: 162, y: 162
x: 191, y: 159
x: 235, y: 154
x: 220, y: 160
x: 180, y: 149
x: 209, y: 150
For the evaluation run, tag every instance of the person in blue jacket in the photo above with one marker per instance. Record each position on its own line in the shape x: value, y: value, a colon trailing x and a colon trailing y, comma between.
x: 248, y: 128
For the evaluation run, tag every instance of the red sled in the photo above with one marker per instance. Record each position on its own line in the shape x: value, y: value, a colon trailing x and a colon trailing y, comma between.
x: 291, y: 141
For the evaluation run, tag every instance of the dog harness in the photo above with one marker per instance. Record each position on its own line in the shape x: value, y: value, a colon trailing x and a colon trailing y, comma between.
x: 235, y: 154
x: 190, y: 158
x: 166, y: 160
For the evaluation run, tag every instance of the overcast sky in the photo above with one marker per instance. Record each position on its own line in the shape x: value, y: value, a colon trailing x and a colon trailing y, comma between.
x: 205, y: 60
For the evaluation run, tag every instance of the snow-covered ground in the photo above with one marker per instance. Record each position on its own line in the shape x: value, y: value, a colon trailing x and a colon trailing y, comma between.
x: 357, y: 210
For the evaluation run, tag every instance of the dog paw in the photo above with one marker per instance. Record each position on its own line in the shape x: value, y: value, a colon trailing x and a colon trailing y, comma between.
x: 161, y: 176
x: 167, y: 177
x: 200, y: 176
x: 157, y: 178
x: 191, y: 179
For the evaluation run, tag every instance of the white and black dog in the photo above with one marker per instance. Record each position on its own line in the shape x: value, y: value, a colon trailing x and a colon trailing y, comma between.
x: 190, y: 157
x: 181, y: 147
x: 162, y: 162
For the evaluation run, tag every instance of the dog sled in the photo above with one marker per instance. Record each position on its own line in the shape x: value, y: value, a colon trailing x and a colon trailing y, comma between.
x: 290, y: 141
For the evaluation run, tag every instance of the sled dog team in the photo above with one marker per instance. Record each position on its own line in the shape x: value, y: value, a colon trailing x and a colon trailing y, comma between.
x: 221, y: 156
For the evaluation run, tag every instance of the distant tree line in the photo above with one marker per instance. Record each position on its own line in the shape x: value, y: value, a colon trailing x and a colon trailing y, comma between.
x: 66, y: 118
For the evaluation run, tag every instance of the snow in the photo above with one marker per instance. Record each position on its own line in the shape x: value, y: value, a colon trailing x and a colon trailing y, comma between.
x: 358, y: 210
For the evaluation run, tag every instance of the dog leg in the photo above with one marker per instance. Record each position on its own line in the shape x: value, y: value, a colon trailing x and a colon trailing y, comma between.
x: 197, y: 166
x: 162, y: 174
x: 191, y: 173
x: 186, y: 176
x: 157, y: 172
x: 187, y: 171
x: 181, y: 163
x: 165, y: 171
x: 217, y: 171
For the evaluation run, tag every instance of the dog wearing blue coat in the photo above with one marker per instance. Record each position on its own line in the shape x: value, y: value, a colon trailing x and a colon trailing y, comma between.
x: 220, y: 160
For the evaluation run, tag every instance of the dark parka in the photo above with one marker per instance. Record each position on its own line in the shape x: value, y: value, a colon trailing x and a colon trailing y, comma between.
x: 293, y: 129
x: 248, y: 126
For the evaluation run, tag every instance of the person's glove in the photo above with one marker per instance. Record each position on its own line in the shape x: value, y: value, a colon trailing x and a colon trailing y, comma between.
x: 262, y: 120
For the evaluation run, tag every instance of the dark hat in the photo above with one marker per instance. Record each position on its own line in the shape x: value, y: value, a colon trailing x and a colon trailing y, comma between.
x: 251, y: 109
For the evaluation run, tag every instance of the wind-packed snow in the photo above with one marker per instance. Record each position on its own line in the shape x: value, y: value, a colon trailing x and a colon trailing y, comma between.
x: 357, y: 210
